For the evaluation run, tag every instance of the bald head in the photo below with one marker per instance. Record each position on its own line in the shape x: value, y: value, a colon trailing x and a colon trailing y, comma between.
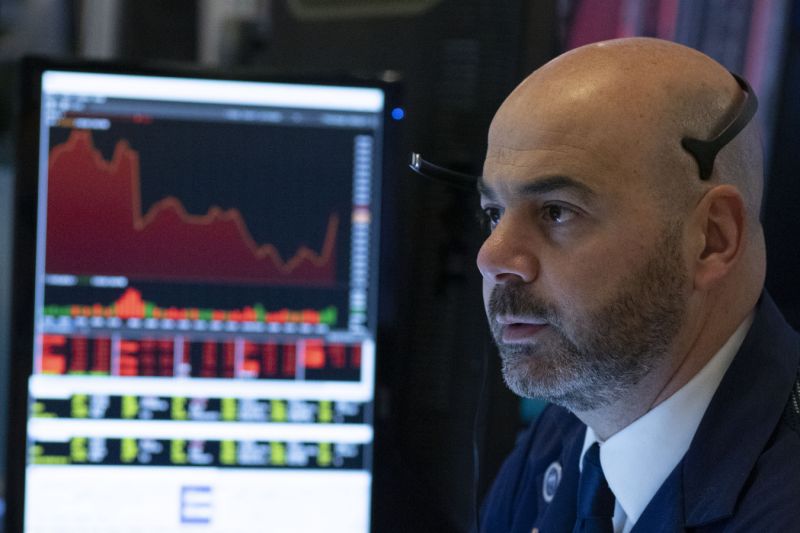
x: 613, y: 272
x: 633, y: 100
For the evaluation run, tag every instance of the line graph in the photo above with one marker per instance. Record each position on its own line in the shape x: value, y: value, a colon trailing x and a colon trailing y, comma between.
x: 97, y: 225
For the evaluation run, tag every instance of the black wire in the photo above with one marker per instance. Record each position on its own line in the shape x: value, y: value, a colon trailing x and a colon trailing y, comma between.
x: 476, y: 423
x: 469, y: 182
x: 442, y: 174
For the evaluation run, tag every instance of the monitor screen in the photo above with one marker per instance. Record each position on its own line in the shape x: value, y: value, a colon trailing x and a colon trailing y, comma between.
x: 203, y: 325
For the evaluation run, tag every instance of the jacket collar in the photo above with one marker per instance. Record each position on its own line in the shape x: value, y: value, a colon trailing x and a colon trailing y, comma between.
x: 741, y: 417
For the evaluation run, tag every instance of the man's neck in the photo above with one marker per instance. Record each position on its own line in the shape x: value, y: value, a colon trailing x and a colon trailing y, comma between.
x: 608, y: 420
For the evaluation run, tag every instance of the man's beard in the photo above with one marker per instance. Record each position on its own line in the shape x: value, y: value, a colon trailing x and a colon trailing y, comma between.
x: 587, y: 361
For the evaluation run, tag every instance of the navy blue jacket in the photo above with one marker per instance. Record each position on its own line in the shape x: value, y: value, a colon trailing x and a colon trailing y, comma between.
x: 741, y: 472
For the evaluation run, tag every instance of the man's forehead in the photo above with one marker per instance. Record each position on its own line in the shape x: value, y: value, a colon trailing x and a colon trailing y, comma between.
x: 603, y: 111
x: 492, y: 189
x: 510, y: 170
x: 591, y: 141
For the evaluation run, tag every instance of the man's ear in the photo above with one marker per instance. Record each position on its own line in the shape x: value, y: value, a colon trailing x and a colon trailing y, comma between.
x: 720, y: 226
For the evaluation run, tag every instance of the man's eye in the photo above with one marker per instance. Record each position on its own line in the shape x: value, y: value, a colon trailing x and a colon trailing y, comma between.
x: 489, y: 217
x: 557, y: 214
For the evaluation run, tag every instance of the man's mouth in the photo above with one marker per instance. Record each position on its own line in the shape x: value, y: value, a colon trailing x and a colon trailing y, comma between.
x: 517, y: 330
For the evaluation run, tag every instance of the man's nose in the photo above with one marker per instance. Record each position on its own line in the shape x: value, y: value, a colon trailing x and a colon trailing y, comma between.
x: 508, y: 255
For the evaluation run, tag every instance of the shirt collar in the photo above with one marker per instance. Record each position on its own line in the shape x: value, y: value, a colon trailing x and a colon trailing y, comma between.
x: 637, y: 460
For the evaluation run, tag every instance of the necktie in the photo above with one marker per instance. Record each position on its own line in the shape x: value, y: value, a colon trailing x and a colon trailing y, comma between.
x: 595, y: 499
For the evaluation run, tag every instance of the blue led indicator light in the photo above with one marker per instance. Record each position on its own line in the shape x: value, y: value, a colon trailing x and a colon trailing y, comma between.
x: 398, y: 113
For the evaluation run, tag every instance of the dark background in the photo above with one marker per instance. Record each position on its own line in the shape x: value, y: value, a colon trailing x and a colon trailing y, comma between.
x: 457, y: 60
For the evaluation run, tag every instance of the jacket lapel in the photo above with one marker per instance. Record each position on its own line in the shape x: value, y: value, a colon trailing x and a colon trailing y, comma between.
x: 664, y: 513
x: 559, y: 515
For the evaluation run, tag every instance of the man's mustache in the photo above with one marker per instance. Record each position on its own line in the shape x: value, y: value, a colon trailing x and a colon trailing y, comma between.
x: 513, y: 300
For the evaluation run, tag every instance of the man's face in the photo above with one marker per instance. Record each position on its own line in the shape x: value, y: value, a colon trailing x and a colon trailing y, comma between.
x: 585, y: 285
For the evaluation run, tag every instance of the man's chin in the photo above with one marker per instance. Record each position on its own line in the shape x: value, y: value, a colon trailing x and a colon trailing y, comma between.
x: 538, y: 376
x: 531, y: 375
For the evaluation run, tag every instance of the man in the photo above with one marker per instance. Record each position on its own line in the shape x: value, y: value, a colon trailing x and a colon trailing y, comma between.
x: 623, y: 282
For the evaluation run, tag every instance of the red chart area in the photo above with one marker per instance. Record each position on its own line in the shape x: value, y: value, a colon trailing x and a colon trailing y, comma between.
x: 96, y: 225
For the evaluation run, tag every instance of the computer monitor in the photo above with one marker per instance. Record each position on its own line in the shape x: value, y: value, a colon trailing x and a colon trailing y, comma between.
x: 195, y: 304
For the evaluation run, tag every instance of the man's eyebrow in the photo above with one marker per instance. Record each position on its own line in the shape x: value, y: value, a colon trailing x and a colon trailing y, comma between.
x: 541, y: 186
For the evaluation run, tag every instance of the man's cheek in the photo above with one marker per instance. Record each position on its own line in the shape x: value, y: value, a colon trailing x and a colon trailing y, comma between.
x: 487, y: 295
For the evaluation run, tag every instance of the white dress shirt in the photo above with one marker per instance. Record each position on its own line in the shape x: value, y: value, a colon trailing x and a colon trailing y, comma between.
x: 639, y: 458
